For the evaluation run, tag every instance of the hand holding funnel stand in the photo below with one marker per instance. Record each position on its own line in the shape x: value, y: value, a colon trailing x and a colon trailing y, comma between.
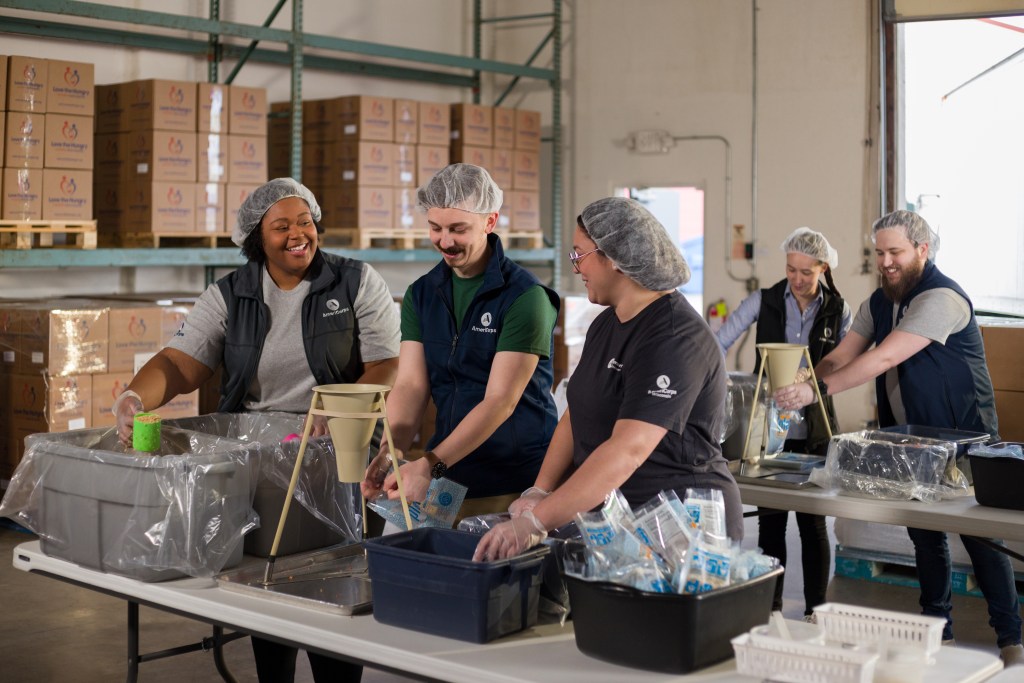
x: 353, y: 411
x: 782, y: 363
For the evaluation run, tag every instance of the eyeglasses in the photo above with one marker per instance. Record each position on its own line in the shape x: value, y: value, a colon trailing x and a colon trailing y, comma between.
x: 575, y: 259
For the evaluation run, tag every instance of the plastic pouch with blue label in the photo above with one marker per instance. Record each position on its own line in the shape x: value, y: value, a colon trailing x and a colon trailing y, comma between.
x: 438, y: 510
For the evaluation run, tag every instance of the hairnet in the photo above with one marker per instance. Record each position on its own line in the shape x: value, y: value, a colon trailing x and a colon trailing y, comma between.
x: 811, y: 243
x: 265, y: 196
x: 913, y: 226
x: 461, y: 186
x: 636, y: 243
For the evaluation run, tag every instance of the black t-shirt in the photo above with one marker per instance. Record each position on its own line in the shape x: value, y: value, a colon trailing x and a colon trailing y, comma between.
x: 665, y: 368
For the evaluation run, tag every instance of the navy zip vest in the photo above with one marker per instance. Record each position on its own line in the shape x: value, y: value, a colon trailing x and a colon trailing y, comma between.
x: 771, y: 328
x: 943, y: 385
x: 330, y: 332
x: 459, y: 365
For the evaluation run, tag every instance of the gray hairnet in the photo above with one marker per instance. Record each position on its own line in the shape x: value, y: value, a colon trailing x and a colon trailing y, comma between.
x: 461, y: 186
x: 913, y: 226
x: 813, y: 244
x: 265, y: 196
x: 636, y: 242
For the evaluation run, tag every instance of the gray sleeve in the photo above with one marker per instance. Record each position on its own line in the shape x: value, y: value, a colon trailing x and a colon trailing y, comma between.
x: 936, y: 314
x: 202, y: 334
x: 864, y: 323
x: 377, y: 314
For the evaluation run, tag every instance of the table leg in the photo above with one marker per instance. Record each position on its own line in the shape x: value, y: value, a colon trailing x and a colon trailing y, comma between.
x: 133, y: 642
x: 218, y: 655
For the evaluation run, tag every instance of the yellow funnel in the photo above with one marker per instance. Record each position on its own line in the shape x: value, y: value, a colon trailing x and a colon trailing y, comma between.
x: 781, y: 362
x: 351, y: 434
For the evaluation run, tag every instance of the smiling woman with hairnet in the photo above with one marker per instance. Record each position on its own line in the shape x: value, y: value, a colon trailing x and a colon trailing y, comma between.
x: 647, y: 400
x: 291, y: 318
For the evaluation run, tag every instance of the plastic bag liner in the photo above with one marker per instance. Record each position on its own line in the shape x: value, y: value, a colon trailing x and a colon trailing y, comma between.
x: 739, y: 402
x: 336, y: 504
x: 183, y: 510
x: 892, y: 466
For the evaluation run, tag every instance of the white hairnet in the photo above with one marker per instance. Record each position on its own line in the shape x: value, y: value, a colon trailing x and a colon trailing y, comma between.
x: 813, y: 244
x: 636, y: 242
x: 259, y: 201
x: 461, y: 186
x: 913, y: 226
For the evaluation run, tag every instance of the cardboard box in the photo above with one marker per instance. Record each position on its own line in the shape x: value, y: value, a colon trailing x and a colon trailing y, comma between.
x: 407, y: 215
x: 23, y: 143
x: 360, y: 162
x: 3, y: 101
x: 527, y: 130
x: 44, y: 403
x: 505, y: 213
x: 429, y: 160
x: 111, y: 158
x: 315, y: 165
x: 8, y: 341
x: 183, y: 405
x: 210, y: 207
x: 504, y: 127
x: 247, y: 111
x: 467, y: 154
x: 71, y: 88
x: 236, y: 194
x: 525, y: 211
x: 63, y: 337
x: 68, y: 142
x: 110, y: 206
x: 172, y: 317
x: 435, y: 124
x: 162, y: 155
x: 279, y: 122
x: 211, y: 157
x: 212, y: 108
x: 22, y: 194
x: 135, y: 330
x: 319, y: 121
x: 105, y: 390
x: 364, y: 117
x: 247, y: 159
x: 279, y: 159
x: 525, y: 170
x: 3, y: 134
x: 473, y: 124
x: 26, y: 84
x: 407, y: 121
x: 501, y: 167
x: 359, y: 206
x: 404, y: 166
x: 156, y: 104
x: 1003, y: 340
x: 67, y: 195
x: 1010, y: 410
x: 111, y: 110
x: 168, y: 207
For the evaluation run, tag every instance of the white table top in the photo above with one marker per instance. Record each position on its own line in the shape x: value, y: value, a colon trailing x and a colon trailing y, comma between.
x: 960, y: 515
x: 543, y: 653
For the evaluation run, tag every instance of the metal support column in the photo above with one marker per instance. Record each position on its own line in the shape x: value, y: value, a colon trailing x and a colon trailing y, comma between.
x: 477, y: 32
x: 297, y: 47
x: 213, y: 56
x: 556, y: 143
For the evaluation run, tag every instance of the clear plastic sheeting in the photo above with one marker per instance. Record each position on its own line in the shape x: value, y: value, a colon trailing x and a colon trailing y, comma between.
x: 336, y: 504
x: 739, y: 401
x: 182, y: 510
x: 892, y: 467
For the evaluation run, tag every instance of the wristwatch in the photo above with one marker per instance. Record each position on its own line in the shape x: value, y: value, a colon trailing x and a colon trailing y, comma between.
x: 822, y: 388
x: 437, y: 467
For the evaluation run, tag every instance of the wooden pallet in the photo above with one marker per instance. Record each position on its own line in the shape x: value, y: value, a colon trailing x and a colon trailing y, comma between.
x: 47, y: 234
x: 365, y: 238
x: 155, y: 240
x: 530, y: 239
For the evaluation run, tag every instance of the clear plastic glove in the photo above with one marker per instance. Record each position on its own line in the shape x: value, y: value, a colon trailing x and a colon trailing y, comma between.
x: 376, y: 473
x: 510, y: 538
x: 319, y: 426
x: 415, y: 480
x: 527, y: 501
x: 795, y: 396
x: 124, y: 409
x: 802, y: 375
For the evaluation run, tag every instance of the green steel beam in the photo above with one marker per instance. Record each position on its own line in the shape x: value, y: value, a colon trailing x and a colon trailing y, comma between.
x: 519, y: 17
x: 252, y: 46
x: 105, y: 36
x: 556, y: 142
x: 529, y: 60
x: 296, y: 90
x: 93, y: 10
x: 213, y: 56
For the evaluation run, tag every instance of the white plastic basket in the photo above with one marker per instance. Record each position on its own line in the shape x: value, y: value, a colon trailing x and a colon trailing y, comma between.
x: 791, y: 661
x: 864, y: 625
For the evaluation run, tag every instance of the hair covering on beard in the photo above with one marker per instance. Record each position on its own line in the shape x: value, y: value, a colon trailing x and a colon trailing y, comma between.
x: 811, y: 243
x: 913, y: 226
x: 636, y: 243
x: 265, y: 196
x: 461, y: 186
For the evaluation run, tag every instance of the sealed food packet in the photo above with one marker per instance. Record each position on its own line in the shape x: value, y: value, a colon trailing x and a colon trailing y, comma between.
x: 706, y: 509
x: 708, y: 568
x: 659, y: 525
x: 439, y: 509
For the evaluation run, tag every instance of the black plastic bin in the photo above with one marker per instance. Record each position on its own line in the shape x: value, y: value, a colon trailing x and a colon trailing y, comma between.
x: 426, y: 580
x: 666, y: 632
x: 996, y: 479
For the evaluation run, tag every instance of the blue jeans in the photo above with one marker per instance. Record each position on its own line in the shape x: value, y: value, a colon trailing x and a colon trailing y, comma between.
x: 992, y: 570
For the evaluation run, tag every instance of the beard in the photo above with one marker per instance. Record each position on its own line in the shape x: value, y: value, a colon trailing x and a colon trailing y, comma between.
x: 910, y: 276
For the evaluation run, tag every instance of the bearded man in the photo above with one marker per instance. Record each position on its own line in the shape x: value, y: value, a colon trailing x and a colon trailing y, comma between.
x: 929, y: 368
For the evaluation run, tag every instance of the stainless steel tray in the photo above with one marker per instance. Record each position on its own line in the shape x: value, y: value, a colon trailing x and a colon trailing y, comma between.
x: 778, y: 477
x: 333, y: 579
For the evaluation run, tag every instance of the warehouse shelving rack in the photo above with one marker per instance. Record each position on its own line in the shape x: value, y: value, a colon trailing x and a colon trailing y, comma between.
x: 296, y: 44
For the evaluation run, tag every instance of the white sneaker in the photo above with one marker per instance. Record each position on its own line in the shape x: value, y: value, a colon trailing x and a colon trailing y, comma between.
x: 1012, y: 655
x: 811, y: 618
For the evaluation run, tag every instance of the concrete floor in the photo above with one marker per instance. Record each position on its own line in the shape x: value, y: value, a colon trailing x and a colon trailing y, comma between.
x: 52, y: 631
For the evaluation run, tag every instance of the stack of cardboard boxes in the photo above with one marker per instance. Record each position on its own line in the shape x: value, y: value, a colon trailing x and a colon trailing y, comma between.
x: 1003, y: 339
x: 507, y: 143
x: 46, y: 140
x: 171, y: 156
x: 64, y: 361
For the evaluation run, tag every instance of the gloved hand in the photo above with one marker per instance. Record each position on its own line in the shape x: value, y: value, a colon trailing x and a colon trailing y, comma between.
x: 319, y: 426
x: 802, y: 375
x: 510, y: 538
x: 527, y: 501
x: 373, y: 480
x: 124, y: 409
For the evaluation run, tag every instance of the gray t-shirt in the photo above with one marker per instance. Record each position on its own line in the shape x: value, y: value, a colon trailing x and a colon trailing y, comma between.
x: 280, y: 384
x: 934, y: 314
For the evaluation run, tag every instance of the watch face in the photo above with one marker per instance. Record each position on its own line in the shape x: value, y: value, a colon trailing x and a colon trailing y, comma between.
x: 438, y: 470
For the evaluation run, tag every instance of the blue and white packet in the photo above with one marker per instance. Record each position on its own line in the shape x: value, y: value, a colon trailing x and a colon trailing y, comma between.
x: 438, y: 510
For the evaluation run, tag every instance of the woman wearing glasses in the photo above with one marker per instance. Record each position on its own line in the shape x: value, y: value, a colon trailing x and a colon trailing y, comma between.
x: 647, y: 400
